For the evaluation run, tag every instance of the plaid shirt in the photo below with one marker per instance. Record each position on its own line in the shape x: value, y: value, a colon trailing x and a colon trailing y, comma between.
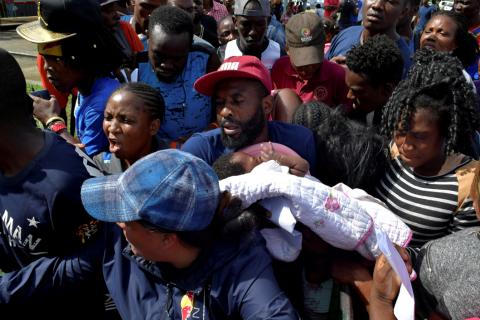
x: 218, y: 11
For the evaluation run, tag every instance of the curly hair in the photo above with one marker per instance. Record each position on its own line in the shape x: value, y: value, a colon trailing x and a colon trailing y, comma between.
x: 435, y: 82
x: 378, y: 59
x: 467, y: 48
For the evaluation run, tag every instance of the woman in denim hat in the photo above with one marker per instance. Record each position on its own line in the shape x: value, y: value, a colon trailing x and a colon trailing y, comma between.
x: 178, y: 248
x: 173, y: 260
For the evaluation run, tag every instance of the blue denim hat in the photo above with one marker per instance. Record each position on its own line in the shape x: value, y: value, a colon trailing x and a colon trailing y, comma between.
x: 170, y: 189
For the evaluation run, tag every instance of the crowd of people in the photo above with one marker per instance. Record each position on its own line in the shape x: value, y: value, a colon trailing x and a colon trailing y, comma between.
x: 237, y: 160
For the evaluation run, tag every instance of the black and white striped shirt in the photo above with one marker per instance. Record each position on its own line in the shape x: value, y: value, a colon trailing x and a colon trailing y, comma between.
x: 428, y: 205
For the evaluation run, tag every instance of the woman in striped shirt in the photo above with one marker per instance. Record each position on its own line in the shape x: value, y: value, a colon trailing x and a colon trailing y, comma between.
x: 431, y: 119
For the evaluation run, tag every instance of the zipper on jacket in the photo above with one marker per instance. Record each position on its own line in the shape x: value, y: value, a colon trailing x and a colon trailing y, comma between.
x: 169, y: 302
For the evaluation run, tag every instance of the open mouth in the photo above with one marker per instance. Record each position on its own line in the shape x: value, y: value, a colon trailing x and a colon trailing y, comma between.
x: 230, y: 129
x: 114, y: 145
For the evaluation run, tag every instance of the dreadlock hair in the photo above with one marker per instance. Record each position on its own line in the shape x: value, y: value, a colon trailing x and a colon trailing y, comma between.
x: 435, y: 82
x: 349, y: 152
x: 378, y: 59
x: 172, y: 20
x: 152, y: 99
x: 95, y: 51
x: 311, y: 114
x: 467, y: 48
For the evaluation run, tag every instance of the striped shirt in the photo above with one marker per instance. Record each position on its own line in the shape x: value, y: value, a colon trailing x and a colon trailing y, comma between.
x: 428, y: 205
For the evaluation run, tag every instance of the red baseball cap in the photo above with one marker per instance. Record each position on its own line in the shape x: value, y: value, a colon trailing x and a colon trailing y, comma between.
x: 248, y: 67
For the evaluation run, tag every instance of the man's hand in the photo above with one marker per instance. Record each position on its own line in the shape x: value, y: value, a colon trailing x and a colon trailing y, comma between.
x: 45, y: 109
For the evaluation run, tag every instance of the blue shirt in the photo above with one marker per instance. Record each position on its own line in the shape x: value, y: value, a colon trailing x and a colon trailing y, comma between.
x: 350, y: 37
x: 42, y: 216
x: 276, y: 32
x: 424, y: 14
x: 208, y: 145
x: 89, y: 115
x: 187, y: 111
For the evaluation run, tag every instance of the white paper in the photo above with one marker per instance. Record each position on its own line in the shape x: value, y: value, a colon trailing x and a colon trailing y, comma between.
x: 404, y: 308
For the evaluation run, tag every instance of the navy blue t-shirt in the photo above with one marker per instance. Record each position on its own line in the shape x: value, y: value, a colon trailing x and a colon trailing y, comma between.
x: 350, y: 37
x: 41, y: 210
x: 208, y: 145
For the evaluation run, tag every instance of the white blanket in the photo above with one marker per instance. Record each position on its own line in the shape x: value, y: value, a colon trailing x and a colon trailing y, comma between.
x: 343, y: 217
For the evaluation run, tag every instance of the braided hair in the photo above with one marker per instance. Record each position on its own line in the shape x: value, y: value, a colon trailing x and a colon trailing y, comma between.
x: 152, y: 99
x: 311, y: 114
x: 436, y: 82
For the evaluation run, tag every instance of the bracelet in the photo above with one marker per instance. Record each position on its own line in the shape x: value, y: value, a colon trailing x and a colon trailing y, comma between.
x: 54, y: 119
x: 57, y: 127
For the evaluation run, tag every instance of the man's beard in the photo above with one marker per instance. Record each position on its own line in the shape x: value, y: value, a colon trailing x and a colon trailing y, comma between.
x: 250, y: 130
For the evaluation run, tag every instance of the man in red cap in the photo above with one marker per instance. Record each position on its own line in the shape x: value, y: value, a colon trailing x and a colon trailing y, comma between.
x: 240, y: 90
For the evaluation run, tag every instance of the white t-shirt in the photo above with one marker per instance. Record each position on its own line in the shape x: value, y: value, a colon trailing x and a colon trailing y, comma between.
x: 269, y: 55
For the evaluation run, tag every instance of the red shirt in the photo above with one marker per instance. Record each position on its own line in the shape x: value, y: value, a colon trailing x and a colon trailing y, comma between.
x: 330, y: 7
x: 327, y: 85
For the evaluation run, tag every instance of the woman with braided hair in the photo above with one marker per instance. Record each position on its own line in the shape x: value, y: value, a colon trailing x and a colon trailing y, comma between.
x: 431, y: 120
x: 131, y: 122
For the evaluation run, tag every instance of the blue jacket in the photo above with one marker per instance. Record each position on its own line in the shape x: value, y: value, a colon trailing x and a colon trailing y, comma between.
x: 231, y: 280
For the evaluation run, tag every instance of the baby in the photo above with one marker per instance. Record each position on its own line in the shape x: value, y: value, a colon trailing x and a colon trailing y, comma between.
x: 244, y: 161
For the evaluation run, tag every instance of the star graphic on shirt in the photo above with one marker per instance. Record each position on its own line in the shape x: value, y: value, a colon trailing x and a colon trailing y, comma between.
x: 32, y: 222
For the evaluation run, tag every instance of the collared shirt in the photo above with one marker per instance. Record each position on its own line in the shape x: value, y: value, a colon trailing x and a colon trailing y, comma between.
x: 187, y: 111
x: 327, y: 85
x: 218, y: 11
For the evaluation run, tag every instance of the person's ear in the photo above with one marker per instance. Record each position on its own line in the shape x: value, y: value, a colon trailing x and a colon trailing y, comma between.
x: 234, y: 19
x: 169, y: 240
x: 267, y: 105
x: 387, y: 90
x: 154, y: 126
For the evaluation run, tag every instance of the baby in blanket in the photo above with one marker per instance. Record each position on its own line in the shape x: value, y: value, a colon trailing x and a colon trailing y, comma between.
x: 245, y: 160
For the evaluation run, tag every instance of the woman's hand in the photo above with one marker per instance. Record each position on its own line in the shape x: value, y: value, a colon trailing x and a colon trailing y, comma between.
x: 386, y: 285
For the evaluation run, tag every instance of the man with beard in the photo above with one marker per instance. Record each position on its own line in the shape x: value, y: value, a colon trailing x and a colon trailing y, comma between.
x: 251, y: 18
x: 379, y: 17
x: 240, y: 90
x: 173, y: 67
